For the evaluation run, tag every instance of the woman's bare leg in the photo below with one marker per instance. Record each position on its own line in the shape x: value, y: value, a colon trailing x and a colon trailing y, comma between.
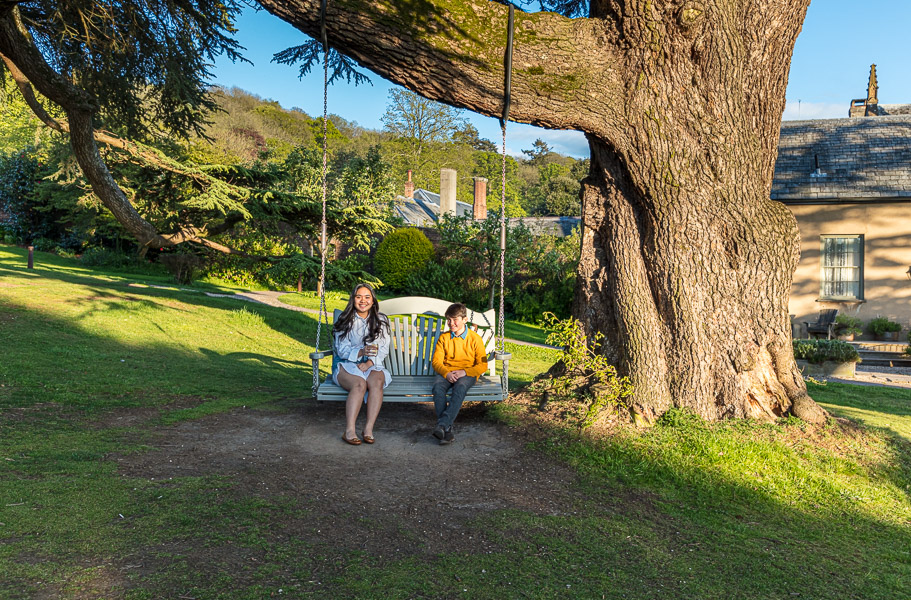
x: 375, y: 383
x: 356, y: 387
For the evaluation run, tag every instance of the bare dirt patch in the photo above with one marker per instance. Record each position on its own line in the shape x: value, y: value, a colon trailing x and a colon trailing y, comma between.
x: 403, y: 495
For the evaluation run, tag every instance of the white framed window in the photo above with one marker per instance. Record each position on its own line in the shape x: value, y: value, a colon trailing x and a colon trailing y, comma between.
x: 842, y: 276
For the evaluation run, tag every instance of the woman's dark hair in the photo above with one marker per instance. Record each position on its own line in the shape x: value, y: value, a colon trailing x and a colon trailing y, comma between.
x: 375, y: 321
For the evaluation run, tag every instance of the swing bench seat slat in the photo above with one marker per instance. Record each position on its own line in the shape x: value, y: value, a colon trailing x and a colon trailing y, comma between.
x: 416, y: 323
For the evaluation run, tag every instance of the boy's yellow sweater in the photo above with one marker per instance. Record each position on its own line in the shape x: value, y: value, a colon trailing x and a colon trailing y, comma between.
x: 454, y: 353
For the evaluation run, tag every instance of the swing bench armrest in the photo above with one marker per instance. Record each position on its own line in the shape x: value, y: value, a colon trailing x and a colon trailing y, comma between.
x: 504, y: 377
x: 315, y: 357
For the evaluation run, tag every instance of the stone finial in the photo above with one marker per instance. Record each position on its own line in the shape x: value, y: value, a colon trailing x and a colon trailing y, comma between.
x: 872, y: 87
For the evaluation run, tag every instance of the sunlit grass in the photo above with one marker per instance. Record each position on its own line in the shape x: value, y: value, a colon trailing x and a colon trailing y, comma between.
x: 684, y: 509
x: 881, y: 407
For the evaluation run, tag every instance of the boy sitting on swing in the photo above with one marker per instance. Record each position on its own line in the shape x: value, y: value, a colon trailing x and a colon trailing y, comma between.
x: 459, y: 358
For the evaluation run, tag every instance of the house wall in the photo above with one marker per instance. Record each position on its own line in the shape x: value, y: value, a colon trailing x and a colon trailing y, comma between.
x: 887, y: 256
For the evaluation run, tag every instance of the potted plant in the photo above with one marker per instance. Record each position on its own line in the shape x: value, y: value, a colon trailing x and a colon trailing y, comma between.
x: 884, y: 329
x: 825, y: 358
x: 846, y: 327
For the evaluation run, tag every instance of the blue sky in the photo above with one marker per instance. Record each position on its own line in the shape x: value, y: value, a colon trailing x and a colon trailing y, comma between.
x: 831, y: 64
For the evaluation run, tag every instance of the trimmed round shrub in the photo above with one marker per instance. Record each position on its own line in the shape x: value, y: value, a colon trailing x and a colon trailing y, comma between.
x: 401, y: 253
x: 819, y: 351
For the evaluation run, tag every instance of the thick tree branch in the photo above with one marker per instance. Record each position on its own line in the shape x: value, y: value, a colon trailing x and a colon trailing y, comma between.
x: 453, y: 51
x: 18, y: 50
x: 144, y: 155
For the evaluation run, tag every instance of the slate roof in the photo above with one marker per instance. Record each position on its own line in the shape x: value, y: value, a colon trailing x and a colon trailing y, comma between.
x: 555, y: 226
x: 424, y: 209
x: 894, y: 109
x: 860, y: 159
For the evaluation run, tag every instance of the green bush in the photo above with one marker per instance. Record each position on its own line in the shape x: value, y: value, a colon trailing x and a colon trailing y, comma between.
x: 102, y: 257
x: 819, y: 351
x: 881, y: 325
x: 44, y: 244
x: 848, y: 325
x: 115, y: 260
x: 182, y: 266
x: 441, y: 281
x: 401, y: 253
x: 586, y: 365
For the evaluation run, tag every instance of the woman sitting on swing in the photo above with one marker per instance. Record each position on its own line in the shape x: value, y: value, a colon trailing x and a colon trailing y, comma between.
x: 361, y: 344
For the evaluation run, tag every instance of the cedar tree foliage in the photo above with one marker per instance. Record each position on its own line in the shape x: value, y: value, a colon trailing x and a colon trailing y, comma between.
x: 140, y: 68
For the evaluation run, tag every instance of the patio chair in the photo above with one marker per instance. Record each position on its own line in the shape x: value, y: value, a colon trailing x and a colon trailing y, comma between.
x: 824, y: 324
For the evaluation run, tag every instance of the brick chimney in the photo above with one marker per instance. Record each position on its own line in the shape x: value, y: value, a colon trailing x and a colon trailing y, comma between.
x: 480, y: 198
x: 447, y: 192
x: 409, y: 186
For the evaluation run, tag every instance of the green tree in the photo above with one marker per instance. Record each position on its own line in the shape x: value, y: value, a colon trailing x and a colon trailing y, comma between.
x: 555, y: 193
x: 476, y: 243
x: 686, y: 264
x: 417, y: 124
x: 134, y: 67
x: 140, y: 68
x: 469, y: 136
x: 19, y: 127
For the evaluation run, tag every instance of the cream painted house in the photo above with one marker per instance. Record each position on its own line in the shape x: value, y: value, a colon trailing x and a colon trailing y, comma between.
x: 848, y: 183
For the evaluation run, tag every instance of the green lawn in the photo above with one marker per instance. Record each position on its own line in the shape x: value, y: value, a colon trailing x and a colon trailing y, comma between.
x: 682, y: 510
x: 886, y: 409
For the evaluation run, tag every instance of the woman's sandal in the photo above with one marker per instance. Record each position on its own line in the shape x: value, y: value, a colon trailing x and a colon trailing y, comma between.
x: 355, y: 441
x: 368, y: 438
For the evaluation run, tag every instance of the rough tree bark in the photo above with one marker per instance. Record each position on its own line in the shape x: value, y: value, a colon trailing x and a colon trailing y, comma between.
x: 686, y: 263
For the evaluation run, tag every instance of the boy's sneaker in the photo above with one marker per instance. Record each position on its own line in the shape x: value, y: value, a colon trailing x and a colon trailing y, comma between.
x: 448, y: 437
x: 439, y: 433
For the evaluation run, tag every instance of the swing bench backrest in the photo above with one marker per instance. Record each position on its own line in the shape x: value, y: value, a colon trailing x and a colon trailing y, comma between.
x: 416, y: 323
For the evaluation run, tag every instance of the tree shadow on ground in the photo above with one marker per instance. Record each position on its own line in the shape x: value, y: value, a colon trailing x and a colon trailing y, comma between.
x: 252, y: 491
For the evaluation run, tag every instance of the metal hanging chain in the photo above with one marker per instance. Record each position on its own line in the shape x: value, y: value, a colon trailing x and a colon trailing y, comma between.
x: 323, y: 314
x: 501, y: 323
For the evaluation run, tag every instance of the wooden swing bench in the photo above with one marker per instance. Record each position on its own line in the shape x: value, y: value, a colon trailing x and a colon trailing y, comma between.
x: 415, y: 325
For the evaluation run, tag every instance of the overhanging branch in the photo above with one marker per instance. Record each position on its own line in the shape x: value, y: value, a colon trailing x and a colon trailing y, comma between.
x: 453, y: 51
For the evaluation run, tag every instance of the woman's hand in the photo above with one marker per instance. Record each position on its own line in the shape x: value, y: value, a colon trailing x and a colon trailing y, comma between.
x: 365, y: 366
x: 368, y: 350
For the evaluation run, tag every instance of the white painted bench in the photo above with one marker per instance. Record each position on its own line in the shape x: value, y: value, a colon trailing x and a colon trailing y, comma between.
x: 416, y: 323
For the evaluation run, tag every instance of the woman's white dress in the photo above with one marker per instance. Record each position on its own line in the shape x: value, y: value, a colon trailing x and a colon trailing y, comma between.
x: 347, y: 348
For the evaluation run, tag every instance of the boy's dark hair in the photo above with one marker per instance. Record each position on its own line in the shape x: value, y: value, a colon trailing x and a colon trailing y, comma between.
x: 456, y: 310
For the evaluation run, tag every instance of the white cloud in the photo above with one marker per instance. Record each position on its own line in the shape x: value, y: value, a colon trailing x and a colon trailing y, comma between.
x: 802, y: 111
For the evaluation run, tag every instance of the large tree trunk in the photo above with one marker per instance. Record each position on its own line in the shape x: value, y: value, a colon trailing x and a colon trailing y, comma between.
x: 691, y: 295
x: 686, y: 263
